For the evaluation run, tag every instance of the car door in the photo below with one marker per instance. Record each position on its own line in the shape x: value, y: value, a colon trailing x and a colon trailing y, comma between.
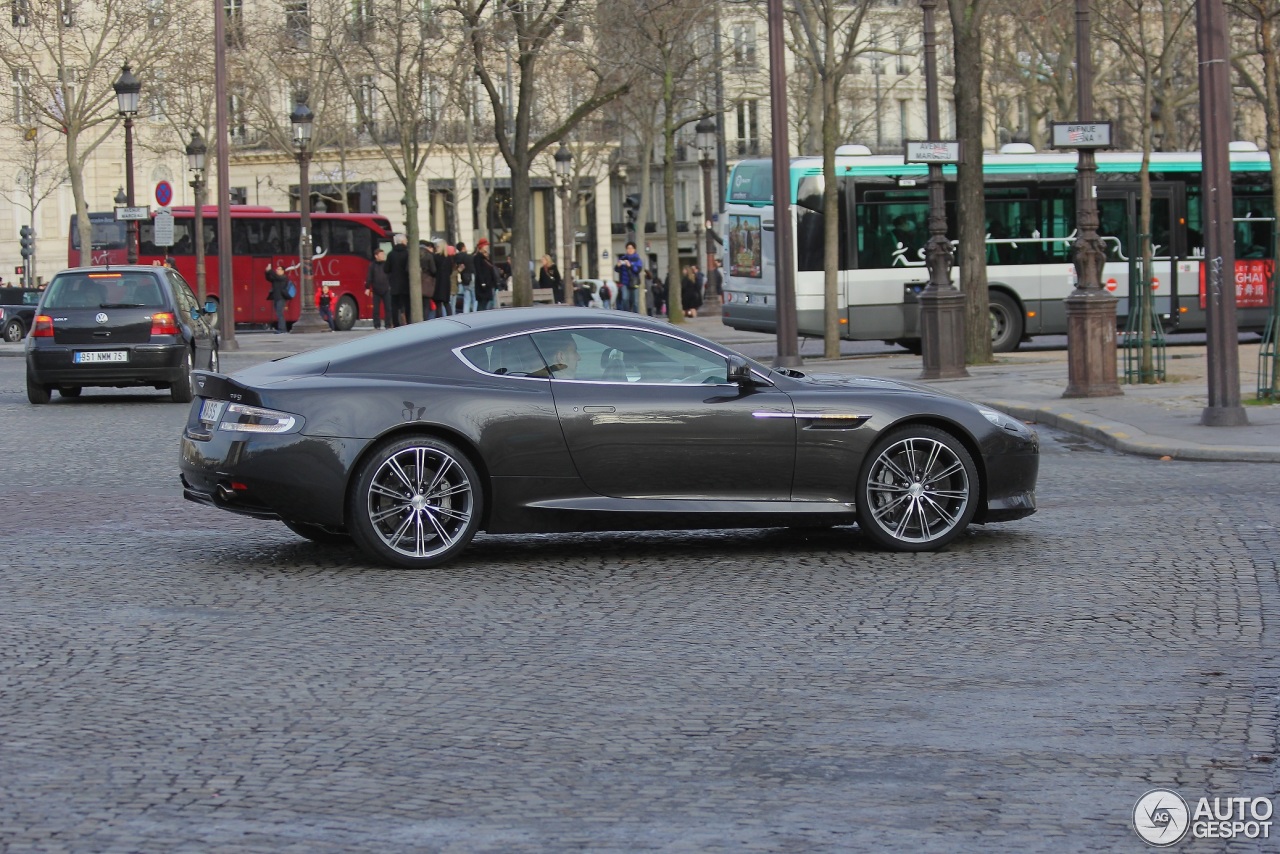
x: 650, y: 415
x: 194, y: 317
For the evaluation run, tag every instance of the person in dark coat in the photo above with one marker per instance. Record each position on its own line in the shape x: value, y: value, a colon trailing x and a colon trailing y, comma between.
x: 397, y: 267
x: 443, y: 294
x: 486, y: 277
x: 427, y: 266
x: 690, y: 292
x: 378, y: 286
x: 463, y: 260
x: 279, y: 294
x: 549, y: 277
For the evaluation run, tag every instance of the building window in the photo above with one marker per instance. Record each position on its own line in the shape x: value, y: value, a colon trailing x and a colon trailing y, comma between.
x: 237, y: 126
x: 21, y: 11
x: 366, y: 105
x: 903, y: 127
x: 744, y: 46
x: 67, y: 10
x: 22, y: 114
x: 902, y: 54
x: 361, y: 22
x: 234, y: 10
x: 297, y: 19
x: 748, y: 127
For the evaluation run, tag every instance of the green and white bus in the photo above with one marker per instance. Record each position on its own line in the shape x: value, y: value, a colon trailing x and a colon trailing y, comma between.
x: 1030, y: 213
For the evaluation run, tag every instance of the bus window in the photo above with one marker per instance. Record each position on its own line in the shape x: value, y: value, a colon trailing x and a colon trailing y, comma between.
x: 349, y: 238
x: 107, y: 232
x: 1006, y: 222
x: 893, y: 227
x: 258, y: 237
x: 1114, y: 227
x: 1057, y: 222
x: 1253, y: 239
x: 182, y: 244
x: 810, y: 225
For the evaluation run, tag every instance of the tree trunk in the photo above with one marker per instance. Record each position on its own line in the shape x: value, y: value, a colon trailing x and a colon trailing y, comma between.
x: 675, y: 306
x: 1271, y: 77
x: 966, y: 24
x: 75, y: 173
x: 830, y: 222
x: 521, y: 242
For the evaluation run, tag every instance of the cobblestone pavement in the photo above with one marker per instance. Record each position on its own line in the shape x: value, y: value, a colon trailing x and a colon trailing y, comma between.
x: 173, y: 678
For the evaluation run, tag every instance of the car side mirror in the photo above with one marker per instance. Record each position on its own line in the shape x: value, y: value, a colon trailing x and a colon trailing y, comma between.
x: 739, y: 372
x: 211, y: 306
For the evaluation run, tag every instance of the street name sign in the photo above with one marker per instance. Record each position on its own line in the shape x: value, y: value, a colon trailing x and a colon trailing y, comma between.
x: 1081, y: 134
x: 138, y: 213
x: 931, y: 151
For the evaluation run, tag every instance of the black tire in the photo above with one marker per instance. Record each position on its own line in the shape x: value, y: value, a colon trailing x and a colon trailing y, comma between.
x: 415, y: 502
x: 14, y: 331
x: 318, y: 533
x: 1007, y: 322
x: 914, y: 346
x: 70, y: 391
x: 346, y: 314
x: 918, y: 489
x: 37, y: 393
x: 182, y: 390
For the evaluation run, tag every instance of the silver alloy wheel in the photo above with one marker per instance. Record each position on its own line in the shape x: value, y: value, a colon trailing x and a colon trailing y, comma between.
x: 346, y: 313
x: 420, y: 502
x: 13, y: 331
x: 918, y: 490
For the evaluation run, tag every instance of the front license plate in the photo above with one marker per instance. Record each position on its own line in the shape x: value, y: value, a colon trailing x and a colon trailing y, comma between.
x: 101, y: 356
x: 211, y: 411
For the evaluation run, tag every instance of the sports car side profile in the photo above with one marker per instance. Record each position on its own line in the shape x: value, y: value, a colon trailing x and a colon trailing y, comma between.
x: 556, y: 420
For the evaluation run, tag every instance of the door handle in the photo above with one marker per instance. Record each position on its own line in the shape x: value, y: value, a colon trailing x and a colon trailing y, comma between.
x: 598, y: 409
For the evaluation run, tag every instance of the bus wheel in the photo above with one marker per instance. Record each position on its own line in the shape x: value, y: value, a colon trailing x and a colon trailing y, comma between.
x: 1006, y: 322
x: 347, y: 313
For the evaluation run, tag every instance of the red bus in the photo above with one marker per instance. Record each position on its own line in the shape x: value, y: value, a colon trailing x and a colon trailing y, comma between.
x: 344, y: 246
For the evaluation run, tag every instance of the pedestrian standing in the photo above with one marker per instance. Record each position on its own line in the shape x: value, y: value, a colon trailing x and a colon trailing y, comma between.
x: 549, y: 277
x: 462, y: 260
x: 486, y: 277
x: 443, y: 293
x: 628, y: 268
x: 427, y: 266
x: 324, y: 302
x: 397, y: 267
x: 378, y: 286
x: 279, y: 294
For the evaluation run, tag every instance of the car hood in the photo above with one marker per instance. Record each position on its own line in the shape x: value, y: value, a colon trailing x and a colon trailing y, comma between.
x: 870, y: 383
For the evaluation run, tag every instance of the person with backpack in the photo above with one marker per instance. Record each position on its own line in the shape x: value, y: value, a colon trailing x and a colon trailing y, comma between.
x: 606, y: 295
x: 378, y: 286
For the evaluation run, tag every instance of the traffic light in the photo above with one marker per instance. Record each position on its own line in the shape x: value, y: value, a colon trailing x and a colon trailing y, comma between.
x: 27, y: 239
x: 631, y: 204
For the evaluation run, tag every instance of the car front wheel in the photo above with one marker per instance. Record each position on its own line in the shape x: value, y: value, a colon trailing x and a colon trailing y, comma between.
x: 918, y: 489
x: 415, y: 502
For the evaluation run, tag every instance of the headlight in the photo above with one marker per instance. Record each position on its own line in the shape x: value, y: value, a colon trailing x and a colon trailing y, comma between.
x: 240, y: 418
x: 1006, y: 422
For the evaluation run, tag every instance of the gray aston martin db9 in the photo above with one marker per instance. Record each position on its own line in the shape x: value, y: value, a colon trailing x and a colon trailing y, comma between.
x: 541, y: 420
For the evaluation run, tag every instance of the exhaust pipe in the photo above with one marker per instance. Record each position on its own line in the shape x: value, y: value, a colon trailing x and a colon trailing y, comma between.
x: 225, y: 492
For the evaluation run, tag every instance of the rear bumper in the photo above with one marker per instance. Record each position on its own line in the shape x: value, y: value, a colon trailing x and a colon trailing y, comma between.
x: 148, y: 364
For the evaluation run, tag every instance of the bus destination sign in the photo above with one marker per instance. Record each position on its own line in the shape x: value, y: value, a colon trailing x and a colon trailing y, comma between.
x: 1081, y: 134
x: 931, y: 151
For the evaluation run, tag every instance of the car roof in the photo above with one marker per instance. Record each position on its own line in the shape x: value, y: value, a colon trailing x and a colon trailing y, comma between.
x: 115, y: 268
x: 517, y: 319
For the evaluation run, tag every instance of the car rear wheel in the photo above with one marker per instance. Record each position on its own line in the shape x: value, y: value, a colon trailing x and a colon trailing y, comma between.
x: 181, y: 391
x: 37, y: 393
x: 13, y: 331
x: 415, y: 502
x: 918, y: 489
x: 318, y: 533
x: 347, y: 313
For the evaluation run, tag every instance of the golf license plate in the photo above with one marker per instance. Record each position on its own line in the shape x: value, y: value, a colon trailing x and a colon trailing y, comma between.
x: 211, y: 411
x: 83, y: 358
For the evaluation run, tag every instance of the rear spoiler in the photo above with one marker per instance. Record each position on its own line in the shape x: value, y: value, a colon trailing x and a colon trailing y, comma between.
x: 222, y: 387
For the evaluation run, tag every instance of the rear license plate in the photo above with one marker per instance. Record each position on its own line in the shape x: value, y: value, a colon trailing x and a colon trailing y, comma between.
x: 101, y: 356
x: 211, y: 411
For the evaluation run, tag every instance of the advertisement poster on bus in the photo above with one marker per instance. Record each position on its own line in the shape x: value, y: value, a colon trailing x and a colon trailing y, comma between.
x: 745, y: 257
x: 1253, y: 283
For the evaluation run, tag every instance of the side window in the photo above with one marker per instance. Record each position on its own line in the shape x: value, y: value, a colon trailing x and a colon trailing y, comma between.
x: 186, y: 299
x: 893, y: 227
x: 628, y: 356
x: 513, y: 357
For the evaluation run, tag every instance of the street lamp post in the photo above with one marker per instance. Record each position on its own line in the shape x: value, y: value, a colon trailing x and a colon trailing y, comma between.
x: 705, y: 133
x: 128, y: 91
x: 564, y: 175
x: 196, y: 152
x: 1091, y: 311
x: 941, y: 304
x: 309, y: 319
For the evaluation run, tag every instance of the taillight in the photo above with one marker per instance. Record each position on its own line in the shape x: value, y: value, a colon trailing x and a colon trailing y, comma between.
x: 162, y: 323
x: 42, y: 327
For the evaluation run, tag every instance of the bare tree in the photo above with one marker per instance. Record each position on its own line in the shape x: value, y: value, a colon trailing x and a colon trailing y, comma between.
x: 531, y: 31
x: 65, y: 57
x: 40, y: 172
x: 827, y: 34
x: 968, y: 18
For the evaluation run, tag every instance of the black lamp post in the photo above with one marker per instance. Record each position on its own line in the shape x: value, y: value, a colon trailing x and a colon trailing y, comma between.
x: 705, y: 134
x: 128, y: 92
x: 564, y: 174
x: 941, y: 304
x: 309, y: 319
x: 196, y: 152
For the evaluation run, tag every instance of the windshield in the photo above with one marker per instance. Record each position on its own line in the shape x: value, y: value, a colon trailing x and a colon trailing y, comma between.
x: 104, y: 290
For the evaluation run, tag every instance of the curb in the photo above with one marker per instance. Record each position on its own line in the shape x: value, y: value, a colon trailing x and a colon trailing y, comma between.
x: 1129, y: 439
